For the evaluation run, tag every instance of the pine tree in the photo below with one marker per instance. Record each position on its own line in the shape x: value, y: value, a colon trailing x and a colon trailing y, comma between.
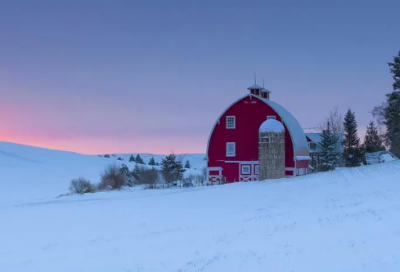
x: 179, y: 170
x: 137, y: 170
x: 352, y: 151
x: 131, y: 158
x: 327, y: 145
x: 167, y: 168
x: 392, y: 111
x: 171, y: 169
x: 139, y: 160
x: 187, y: 164
x: 152, y: 161
x: 124, y: 170
x: 372, y: 140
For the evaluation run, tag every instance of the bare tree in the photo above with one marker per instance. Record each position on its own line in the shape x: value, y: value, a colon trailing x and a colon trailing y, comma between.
x: 335, y: 119
x: 149, y: 178
x: 112, y: 178
x: 81, y: 186
x: 379, y: 114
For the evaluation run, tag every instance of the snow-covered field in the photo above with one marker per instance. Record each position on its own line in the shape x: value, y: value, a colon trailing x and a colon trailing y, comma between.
x: 346, y: 220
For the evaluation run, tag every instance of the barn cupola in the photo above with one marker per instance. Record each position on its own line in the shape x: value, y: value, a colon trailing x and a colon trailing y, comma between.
x: 255, y: 90
x: 265, y: 93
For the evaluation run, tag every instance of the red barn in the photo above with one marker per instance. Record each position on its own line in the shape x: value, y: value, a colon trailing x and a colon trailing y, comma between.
x: 232, y: 151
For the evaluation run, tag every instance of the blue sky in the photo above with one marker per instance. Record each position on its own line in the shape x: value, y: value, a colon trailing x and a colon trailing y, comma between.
x: 152, y: 76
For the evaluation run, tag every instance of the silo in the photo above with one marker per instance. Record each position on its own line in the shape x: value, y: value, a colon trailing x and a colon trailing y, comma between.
x: 271, y: 154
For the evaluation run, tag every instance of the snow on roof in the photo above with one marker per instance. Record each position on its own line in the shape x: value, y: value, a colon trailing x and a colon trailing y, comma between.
x: 314, y: 137
x: 255, y: 86
x: 317, y: 138
x: 265, y: 90
x: 296, y: 133
x: 272, y: 125
x: 302, y: 158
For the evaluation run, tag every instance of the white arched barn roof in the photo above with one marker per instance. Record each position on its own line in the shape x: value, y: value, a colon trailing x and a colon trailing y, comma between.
x: 296, y: 132
x: 299, y: 140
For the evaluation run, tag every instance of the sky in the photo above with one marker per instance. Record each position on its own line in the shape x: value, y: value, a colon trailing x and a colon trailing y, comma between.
x: 96, y: 76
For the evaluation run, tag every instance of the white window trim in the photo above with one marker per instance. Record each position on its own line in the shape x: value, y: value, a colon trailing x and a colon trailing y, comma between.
x: 234, y: 122
x: 249, y: 168
x: 227, y: 149
x: 271, y: 117
x: 256, y: 169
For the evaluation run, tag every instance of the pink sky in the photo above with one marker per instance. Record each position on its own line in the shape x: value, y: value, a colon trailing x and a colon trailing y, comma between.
x: 103, y: 78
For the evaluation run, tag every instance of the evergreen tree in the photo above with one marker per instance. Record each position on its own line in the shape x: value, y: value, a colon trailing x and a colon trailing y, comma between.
x: 139, y: 160
x: 352, y: 151
x: 152, y: 161
x: 187, y: 164
x: 137, y: 170
x: 179, y: 170
x: 327, y: 145
x: 395, y: 70
x: 131, y: 158
x: 124, y: 170
x: 372, y: 140
x: 392, y: 111
x: 171, y: 169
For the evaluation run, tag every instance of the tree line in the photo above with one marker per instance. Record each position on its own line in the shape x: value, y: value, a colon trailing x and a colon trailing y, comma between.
x: 138, y: 160
x: 337, y: 133
x: 114, y: 176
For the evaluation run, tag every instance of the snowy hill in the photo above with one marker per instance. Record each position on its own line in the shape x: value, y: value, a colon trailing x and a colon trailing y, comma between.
x: 33, y: 173
x: 346, y: 220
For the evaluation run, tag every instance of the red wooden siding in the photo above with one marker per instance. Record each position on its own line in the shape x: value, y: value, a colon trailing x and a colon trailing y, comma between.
x: 289, y: 173
x: 302, y: 164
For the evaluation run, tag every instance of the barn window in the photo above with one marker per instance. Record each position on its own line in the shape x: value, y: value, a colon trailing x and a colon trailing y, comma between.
x: 230, y: 149
x: 246, y: 169
x: 313, y: 146
x: 230, y: 122
x: 256, y: 169
x: 271, y: 117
